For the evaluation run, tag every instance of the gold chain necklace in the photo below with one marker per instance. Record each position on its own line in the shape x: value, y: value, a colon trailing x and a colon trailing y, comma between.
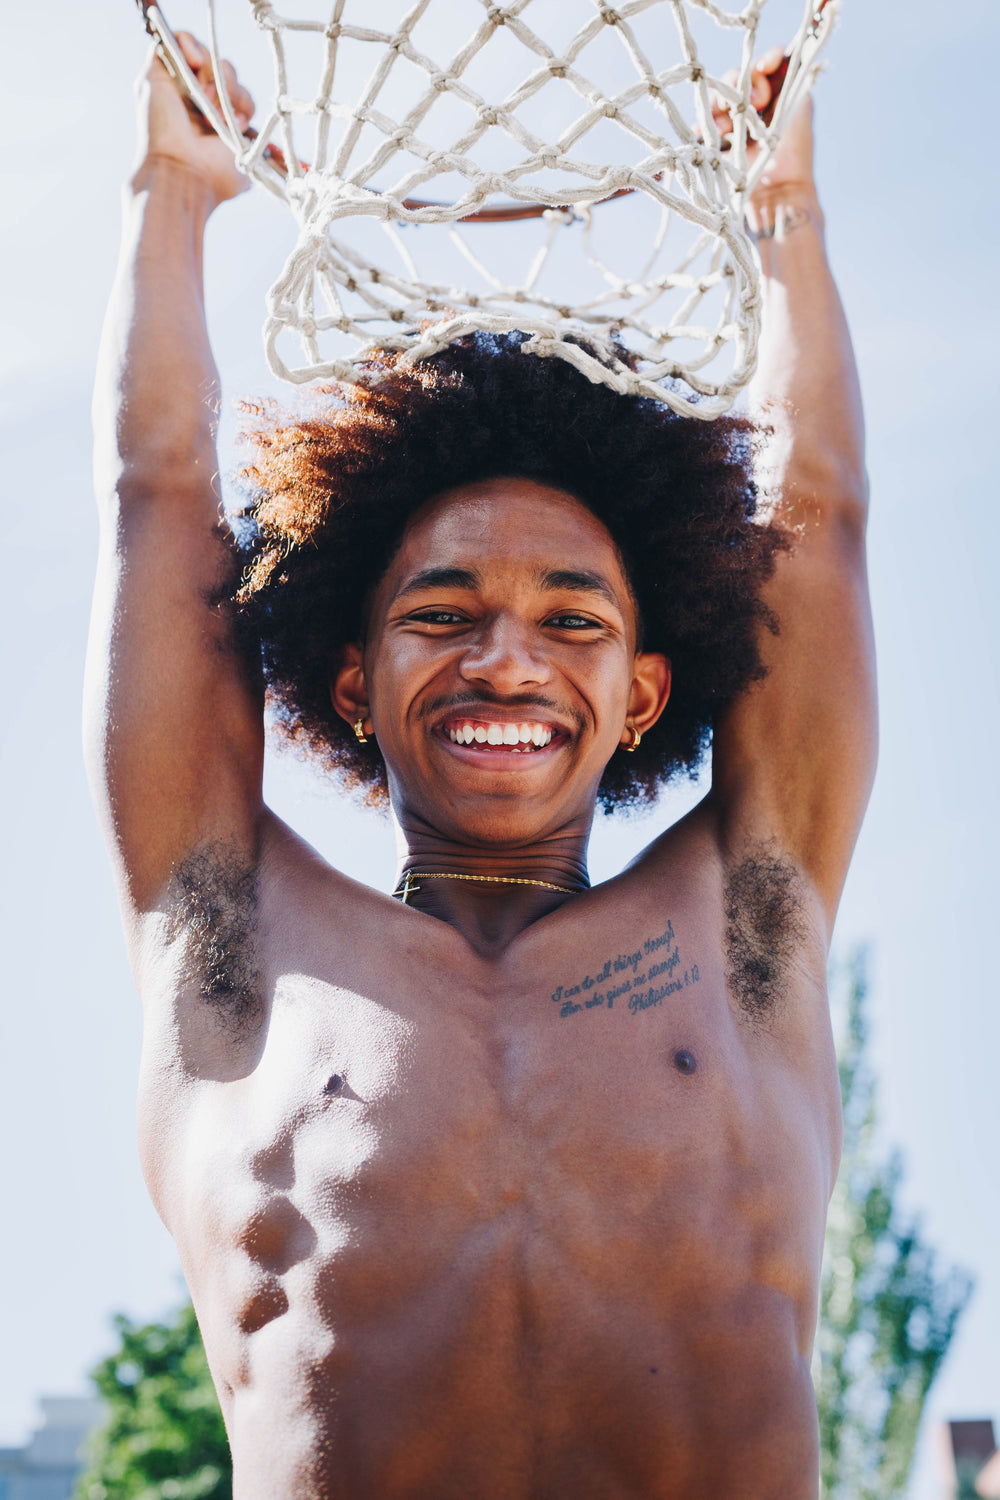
x: 409, y: 884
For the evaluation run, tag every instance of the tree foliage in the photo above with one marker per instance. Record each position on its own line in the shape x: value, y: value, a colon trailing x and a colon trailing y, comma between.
x: 887, y: 1311
x: 164, y: 1437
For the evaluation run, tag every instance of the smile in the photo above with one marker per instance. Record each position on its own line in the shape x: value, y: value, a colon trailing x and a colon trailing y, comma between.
x: 525, y: 737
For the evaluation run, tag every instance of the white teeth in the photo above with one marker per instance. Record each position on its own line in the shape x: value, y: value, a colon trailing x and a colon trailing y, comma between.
x: 514, y: 736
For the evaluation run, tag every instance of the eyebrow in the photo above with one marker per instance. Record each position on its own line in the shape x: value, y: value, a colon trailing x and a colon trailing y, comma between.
x: 573, y: 580
x: 439, y: 578
x: 579, y: 581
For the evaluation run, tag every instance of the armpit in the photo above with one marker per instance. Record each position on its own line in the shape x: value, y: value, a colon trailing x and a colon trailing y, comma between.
x: 764, y: 929
x: 213, y: 911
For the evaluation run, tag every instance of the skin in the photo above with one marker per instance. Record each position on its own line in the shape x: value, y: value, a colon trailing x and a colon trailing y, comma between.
x: 508, y: 1193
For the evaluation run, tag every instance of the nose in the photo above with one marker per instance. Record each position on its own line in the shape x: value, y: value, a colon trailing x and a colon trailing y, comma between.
x: 507, y: 655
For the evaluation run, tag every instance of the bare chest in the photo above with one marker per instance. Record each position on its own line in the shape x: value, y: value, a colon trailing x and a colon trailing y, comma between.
x: 600, y: 1088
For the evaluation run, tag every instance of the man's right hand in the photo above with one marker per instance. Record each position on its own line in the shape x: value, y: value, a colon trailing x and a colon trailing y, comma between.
x: 171, y: 129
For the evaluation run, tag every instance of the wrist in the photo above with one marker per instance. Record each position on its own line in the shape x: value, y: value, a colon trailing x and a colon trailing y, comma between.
x: 778, y: 212
x: 169, y: 176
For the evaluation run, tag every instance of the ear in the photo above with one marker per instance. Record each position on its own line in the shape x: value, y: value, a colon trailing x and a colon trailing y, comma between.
x: 649, y: 694
x: 348, y: 692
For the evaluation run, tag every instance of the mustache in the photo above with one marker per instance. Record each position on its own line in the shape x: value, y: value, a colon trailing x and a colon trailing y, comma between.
x: 524, y: 701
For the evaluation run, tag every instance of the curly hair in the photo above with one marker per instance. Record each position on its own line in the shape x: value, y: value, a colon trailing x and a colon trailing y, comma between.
x: 330, y: 490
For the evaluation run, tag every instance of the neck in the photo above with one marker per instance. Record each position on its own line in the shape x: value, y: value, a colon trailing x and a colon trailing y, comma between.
x: 488, y: 893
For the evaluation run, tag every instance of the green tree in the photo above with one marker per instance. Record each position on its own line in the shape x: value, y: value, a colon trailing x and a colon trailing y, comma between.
x: 164, y: 1437
x: 888, y: 1312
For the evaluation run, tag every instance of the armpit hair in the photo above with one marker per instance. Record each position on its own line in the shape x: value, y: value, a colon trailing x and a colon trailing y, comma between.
x: 213, y: 911
x: 764, y: 929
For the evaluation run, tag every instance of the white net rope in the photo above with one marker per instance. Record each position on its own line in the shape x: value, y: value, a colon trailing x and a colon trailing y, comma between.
x: 561, y: 103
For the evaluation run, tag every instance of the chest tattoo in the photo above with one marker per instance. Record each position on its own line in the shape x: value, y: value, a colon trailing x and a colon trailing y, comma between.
x: 638, y: 980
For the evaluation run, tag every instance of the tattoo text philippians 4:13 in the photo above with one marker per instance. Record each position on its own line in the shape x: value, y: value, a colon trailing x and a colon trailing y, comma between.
x: 640, y: 980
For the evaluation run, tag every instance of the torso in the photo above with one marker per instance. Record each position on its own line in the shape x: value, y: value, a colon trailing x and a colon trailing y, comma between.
x: 472, y: 1227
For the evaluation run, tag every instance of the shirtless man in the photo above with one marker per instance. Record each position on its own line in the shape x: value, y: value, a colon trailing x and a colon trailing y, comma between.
x: 450, y: 1229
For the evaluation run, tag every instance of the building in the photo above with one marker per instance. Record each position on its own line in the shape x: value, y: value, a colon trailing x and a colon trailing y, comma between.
x: 47, y: 1466
x: 970, y: 1460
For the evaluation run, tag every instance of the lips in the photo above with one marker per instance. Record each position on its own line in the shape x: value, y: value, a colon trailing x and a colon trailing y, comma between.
x: 526, y: 737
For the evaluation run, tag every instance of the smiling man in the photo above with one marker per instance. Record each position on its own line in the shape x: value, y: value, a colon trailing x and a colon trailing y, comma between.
x: 508, y: 1187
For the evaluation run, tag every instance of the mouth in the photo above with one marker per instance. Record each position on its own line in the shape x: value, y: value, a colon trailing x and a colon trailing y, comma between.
x: 492, y: 736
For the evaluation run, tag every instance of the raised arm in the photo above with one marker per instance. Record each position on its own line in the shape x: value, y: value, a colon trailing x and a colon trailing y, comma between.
x: 793, y: 759
x: 173, y: 721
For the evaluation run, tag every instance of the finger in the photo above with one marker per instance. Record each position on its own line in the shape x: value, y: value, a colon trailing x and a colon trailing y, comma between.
x: 721, y: 107
x: 196, y: 56
x: 770, y: 61
x: 243, y: 105
x: 239, y: 97
x: 723, y: 121
x: 760, y: 89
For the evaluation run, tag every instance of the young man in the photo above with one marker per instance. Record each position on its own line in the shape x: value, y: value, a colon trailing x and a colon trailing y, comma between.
x: 512, y: 1188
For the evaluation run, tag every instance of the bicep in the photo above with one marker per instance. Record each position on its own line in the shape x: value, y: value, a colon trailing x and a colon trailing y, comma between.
x: 174, y: 722
x: 793, y: 757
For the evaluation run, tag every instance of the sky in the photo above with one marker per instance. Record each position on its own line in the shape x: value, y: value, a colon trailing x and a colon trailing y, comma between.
x: 908, y: 178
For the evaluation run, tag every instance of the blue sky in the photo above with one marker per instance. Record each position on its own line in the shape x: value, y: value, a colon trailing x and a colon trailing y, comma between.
x: 908, y: 178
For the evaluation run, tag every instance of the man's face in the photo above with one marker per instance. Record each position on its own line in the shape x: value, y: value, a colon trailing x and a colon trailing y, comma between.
x: 500, y: 663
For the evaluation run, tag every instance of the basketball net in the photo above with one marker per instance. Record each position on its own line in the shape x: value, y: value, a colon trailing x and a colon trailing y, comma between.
x: 413, y: 159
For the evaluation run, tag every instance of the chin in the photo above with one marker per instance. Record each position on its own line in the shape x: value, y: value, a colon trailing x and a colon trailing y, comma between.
x: 506, y: 816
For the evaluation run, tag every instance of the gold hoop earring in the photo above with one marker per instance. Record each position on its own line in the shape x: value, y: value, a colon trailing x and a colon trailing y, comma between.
x: 359, y: 730
x: 636, y: 739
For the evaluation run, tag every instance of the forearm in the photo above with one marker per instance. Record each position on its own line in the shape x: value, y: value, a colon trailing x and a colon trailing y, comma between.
x: 806, y: 385
x: 156, y: 392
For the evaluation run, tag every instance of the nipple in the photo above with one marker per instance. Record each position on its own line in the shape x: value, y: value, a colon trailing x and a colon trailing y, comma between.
x: 684, y: 1061
x: 334, y: 1084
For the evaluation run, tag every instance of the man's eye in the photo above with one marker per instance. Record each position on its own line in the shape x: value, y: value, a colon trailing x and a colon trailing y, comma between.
x: 437, y: 617
x: 574, y: 622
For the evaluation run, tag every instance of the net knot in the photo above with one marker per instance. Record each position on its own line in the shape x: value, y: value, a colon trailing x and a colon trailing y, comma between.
x: 440, y: 81
x: 296, y: 188
x: 611, y: 17
x: 558, y: 66
x: 333, y: 31
x: 263, y: 14
x: 487, y: 115
x: 497, y: 16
